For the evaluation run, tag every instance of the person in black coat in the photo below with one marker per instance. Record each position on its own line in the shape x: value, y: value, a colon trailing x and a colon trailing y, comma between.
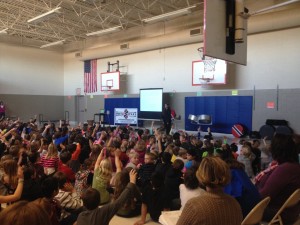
x: 167, y: 118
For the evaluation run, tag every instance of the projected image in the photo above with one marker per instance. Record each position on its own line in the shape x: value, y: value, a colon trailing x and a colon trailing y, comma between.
x: 151, y: 100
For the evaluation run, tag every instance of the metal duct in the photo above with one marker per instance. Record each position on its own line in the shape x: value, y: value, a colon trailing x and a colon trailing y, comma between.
x: 164, y: 41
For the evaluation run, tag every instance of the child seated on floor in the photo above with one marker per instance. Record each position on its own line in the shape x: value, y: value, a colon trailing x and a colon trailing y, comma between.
x: 102, y: 175
x: 153, y: 198
x: 84, y: 177
x: 246, y: 157
x: 68, y: 198
x: 145, y: 170
x: 92, y: 198
x: 65, y: 158
x: 133, y: 160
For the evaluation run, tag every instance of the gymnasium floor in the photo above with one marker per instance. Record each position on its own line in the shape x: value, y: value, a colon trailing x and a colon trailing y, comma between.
x: 129, y: 221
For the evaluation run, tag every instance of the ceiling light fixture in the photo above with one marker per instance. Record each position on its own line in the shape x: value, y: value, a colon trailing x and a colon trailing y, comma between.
x: 4, y: 31
x: 44, y: 16
x: 109, y: 30
x: 169, y: 15
x: 53, y: 43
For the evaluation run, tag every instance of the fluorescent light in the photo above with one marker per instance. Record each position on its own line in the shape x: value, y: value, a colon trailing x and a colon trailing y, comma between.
x: 169, y: 15
x: 53, y: 43
x: 44, y: 15
x: 112, y: 29
x: 4, y: 31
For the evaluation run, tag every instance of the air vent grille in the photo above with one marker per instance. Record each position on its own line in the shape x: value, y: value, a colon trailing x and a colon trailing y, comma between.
x: 195, y: 32
x: 78, y: 54
x: 124, y: 46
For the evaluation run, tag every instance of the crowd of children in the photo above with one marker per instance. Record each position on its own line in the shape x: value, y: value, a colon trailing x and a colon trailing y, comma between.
x: 70, y: 171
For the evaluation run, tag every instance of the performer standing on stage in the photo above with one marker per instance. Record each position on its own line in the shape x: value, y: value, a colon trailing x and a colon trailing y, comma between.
x: 167, y: 118
x: 2, y: 110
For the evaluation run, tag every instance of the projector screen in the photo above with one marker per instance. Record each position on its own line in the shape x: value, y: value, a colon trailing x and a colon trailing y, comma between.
x: 151, y: 103
x: 151, y: 100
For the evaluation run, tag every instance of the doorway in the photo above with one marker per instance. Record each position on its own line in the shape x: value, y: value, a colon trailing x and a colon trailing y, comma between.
x: 80, y: 109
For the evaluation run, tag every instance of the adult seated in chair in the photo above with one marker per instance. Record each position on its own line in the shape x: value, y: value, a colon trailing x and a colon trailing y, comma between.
x: 281, y: 181
x: 213, y: 206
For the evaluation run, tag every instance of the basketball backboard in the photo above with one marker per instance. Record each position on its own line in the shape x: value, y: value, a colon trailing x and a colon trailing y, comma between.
x: 220, y: 22
x: 110, y: 81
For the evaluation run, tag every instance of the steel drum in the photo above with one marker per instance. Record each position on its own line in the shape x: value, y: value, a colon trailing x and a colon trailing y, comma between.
x: 204, y: 119
x: 193, y: 118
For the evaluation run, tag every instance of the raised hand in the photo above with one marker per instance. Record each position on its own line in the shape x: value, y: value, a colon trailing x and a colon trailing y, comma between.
x: 132, y: 176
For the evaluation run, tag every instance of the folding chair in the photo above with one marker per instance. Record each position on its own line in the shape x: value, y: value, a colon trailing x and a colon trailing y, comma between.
x: 291, y: 201
x: 256, y: 214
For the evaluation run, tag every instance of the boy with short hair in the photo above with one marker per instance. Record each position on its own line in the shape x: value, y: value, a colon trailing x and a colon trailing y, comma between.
x: 102, y: 216
x: 68, y: 198
x: 65, y: 157
x: 146, y: 170
x: 153, y: 198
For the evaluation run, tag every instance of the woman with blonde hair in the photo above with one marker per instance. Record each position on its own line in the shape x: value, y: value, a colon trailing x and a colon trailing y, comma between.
x: 50, y: 160
x: 102, y: 176
x: 213, y: 206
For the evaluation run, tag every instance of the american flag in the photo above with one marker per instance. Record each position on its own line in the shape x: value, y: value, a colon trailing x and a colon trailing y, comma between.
x: 90, y: 76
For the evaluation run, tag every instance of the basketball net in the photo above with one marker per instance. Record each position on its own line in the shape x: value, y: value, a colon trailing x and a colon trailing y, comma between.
x: 106, y: 89
x: 209, y: 69
x: 204, y: 83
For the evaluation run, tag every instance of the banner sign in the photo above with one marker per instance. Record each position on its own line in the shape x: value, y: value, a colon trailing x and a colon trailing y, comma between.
x: 126, y: 116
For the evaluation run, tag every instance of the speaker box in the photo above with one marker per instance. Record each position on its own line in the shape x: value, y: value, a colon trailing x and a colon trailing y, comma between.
x: 267, y: 131
x: 276, y: 122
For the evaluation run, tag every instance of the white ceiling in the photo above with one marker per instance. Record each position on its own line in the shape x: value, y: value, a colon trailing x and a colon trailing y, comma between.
x: 79, y: 17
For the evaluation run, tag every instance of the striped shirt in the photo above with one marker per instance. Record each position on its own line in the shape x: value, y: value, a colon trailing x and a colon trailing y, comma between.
x: 51, y: 162
x: 68, y: 201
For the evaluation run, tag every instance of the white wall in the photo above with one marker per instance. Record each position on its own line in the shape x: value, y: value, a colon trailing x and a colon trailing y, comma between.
x: 30, y: 71
x: 273, y: 58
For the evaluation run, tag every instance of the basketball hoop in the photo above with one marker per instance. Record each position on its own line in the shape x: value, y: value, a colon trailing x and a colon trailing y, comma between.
x: 106, y: 89
x: 205, y: 82
x: 200, y: 52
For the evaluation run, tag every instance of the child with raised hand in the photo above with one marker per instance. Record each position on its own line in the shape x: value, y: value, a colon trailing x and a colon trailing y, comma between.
x: 18, y: 192
x: 132, y: 206
x: 68, y: 198
x: 50, y: 160
x: 102, y: 176
x: 9, y: 179
x: 102, y: 216
x: 65, y: 158
x: 82, y: 176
